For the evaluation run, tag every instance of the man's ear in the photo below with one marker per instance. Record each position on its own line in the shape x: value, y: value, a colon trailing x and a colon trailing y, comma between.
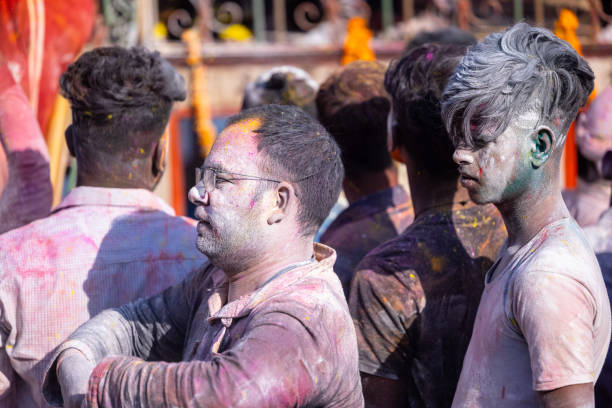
x: 392, y: 145
x: 542, y: 146
x: 284, y: 193
x: 159, y: 157
x: 70, y: 142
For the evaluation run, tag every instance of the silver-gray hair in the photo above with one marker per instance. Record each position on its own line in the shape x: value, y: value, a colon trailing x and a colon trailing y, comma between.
x: 511, y: 71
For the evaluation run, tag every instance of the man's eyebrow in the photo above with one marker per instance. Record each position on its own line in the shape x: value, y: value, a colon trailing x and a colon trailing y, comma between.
x: 217, y: 167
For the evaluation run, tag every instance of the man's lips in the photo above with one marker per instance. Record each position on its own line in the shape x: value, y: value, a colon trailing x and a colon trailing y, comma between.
x: 204, y: 221
x: 468, y: 180
x: 203, y: 226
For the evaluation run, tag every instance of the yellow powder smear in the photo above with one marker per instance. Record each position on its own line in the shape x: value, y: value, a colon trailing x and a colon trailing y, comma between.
x: 246, y: 126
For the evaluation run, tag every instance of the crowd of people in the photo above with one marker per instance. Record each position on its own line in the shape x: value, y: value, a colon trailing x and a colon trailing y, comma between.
x: 474, y: 287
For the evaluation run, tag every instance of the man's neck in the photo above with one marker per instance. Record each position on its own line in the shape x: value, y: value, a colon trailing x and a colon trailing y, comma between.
x: 112, y: 181
x: 106, y: 170
x: 428, y: 192
x: 356, y: 188
x: 249, y: 279
x: 530, y: 213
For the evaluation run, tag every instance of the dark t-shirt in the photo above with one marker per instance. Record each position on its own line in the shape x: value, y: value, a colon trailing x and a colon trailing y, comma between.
x: 414, y: 300
x: 364, y: 225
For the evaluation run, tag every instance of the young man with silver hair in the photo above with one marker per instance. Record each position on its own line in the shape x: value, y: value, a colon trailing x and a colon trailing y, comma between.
x: 543, y: 324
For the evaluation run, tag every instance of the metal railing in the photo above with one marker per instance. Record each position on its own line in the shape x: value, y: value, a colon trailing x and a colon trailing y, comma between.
x: 278, y: 20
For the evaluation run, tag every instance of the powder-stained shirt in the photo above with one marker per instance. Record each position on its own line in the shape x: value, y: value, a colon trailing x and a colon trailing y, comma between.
x: 290, y: 343
x: 364, y: 225
x: 414, y: 299
x: 100, y: 248
x: 588, y: 201
x: 543, y: 323
x: 25, y: 183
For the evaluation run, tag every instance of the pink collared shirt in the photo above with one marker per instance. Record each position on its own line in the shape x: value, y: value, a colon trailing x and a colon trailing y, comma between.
x: 100, y: 248
x: 291, y: 343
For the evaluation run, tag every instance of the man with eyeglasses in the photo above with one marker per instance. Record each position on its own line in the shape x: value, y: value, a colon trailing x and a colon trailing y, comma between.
x: 265, y: 323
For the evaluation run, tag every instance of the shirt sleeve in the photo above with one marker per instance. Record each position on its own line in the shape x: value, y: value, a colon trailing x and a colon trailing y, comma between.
x: 555, y: 314
x: 6, y: 377
x: 384, y: 307
x: 28, y: 194
x: 152, y: 329
x: 7, y: 374
x: 278, y: 361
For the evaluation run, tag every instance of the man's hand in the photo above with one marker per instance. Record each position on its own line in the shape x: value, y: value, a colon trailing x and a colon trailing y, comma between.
x: 73, y: 371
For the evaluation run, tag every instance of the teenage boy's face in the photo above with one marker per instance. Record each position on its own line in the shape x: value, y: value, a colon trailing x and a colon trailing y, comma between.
x: 497, y: 170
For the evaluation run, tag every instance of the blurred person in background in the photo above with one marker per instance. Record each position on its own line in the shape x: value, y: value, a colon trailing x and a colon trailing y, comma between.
x: 353, y: 106
x: 111, y: 240
x: 591, y: 197
x: 598, y: 150
x: 449, y: 35
x: 283, y: 85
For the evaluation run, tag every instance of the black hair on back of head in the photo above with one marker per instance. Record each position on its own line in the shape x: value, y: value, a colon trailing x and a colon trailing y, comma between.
x: 116, y: 92
x: 416, y: 82
x: 353, y: 106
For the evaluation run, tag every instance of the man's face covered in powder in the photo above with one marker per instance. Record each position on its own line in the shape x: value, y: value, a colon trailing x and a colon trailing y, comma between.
x: 495, y: 170
x: 231, y: 217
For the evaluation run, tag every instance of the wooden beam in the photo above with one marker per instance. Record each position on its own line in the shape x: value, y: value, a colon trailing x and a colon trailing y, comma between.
x: 205, y: 16
x: 407, y: 9
x: 539, y: 13
x: 280, y: 20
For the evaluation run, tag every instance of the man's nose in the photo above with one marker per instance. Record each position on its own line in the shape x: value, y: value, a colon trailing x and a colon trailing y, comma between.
x: 463, y: 156
x: 196, y: 197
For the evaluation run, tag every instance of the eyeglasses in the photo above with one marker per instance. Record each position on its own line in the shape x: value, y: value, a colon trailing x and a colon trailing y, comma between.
x: 208, y: 177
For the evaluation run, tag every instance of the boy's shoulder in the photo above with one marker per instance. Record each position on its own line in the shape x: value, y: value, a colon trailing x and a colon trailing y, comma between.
x: 557, y: 260
x: 562, y: 248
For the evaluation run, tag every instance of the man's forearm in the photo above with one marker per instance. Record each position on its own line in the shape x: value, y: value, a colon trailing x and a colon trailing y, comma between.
x: 73, y: 371
x: 571, y: 396
x: 142, y: 328
x: 223, y: 382
x: 240, y: 377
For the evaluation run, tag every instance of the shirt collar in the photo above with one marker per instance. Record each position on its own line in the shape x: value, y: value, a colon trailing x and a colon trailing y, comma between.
x: 114, y: 197
x: 325, y: 257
